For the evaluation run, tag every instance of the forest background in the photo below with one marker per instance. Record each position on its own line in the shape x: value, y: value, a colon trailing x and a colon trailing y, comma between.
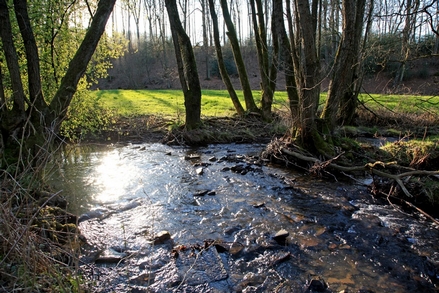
x: 144, y: 24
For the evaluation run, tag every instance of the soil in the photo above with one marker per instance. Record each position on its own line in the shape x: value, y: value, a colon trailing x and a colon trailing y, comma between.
x: 214, y: 130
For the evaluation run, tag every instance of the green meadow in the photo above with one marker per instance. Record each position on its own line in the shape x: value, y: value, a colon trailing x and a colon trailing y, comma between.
x: 170, y: 103
x: 403, y: 104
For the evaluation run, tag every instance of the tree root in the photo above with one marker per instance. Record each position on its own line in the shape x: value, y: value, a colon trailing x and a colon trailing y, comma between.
x: 370, y: 167
x: 285, y: 152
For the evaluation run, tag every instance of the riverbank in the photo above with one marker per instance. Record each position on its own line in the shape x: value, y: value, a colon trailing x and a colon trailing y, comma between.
x: 154, y: 128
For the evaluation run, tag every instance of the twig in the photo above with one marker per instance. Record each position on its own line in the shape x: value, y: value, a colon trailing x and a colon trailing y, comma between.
x: 412, y: 206
x: 192, y: 266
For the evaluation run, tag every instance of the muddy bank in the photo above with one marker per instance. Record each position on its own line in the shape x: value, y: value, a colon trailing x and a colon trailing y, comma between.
x: 237, y: 225
x: 153, y: 129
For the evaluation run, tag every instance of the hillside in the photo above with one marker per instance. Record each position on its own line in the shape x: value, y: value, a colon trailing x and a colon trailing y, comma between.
x: 139, y: 70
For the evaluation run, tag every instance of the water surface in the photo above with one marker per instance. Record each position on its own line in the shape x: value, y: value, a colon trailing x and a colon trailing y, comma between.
x: 222, y: 209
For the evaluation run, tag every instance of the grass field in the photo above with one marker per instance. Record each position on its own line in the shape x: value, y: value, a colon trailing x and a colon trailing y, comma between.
x: 170, y: 103
x: 402, y: 103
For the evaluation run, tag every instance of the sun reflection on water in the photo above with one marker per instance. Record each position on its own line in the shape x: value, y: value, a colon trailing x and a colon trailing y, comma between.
x: 113, y: 178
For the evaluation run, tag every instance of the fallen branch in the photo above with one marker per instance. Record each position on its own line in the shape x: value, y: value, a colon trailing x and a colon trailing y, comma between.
x: 412, y: 206
x: 368, y: 167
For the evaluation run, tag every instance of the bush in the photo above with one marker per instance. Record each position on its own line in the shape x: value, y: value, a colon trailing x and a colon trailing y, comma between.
x: 38, y: 243
x: 86, y: 116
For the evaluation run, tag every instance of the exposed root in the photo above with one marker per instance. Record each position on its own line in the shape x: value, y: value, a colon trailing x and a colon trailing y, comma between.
x: 290, y: 154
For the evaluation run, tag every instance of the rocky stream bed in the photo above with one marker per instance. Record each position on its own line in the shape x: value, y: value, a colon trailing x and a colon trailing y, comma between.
x: 217, y: 219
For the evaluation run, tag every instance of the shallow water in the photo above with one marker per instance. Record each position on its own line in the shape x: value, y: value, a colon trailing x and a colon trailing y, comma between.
x: 222, y: 209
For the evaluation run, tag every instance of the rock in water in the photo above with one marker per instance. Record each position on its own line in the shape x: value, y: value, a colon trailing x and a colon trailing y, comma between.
x: 110, y: 256
x: 199, y: 171
x: 236, y: 248
x: 161, y: 237
x: 201, y: 192
x: 192, y: 157
x: 97, y: 213
x: 317, y: 286
x: 281, y: 236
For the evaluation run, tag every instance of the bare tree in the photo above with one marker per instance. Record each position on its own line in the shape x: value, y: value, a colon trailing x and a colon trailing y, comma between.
x: 134, y: 9
x: 187, y: 68
x: 411, y: 14
x: 280, y: 34
x: 222, y: 68
x: 184, y: 6
x: 205, y: 13
x: 243, y: 76
x: 267, y: 69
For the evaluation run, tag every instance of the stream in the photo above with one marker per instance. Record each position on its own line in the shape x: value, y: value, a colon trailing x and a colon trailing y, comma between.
x: 214, y: 219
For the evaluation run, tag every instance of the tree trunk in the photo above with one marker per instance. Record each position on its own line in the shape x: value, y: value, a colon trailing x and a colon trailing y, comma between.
x: 10, y: 120
x: 242, y: 71
x: 187, y: 68
x: 32, y: 58
x: 309, y: 69
x: 222, y: 68
x: 205, y: 37
x: 268, y: 73
x: 287, y: 59
x: 342, y: 97
x: 79, y: 62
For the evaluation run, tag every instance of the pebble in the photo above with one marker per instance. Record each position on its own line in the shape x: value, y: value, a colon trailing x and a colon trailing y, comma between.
x: 201, y: 192
x: 161, y: 237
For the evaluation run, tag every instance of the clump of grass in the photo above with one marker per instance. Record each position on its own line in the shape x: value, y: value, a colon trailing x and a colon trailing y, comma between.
x: 38, y: 242
x: 415, y: 153
x: 398, y: 123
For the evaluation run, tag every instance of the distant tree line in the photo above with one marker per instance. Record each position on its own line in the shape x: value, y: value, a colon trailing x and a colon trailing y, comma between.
x: 398, y: 30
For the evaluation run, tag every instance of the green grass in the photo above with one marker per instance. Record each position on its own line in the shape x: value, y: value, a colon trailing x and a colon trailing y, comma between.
x: 170, y: 103
x: 402, y: 103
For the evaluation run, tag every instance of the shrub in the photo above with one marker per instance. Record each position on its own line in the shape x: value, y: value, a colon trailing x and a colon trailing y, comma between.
x: 86, y: 116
